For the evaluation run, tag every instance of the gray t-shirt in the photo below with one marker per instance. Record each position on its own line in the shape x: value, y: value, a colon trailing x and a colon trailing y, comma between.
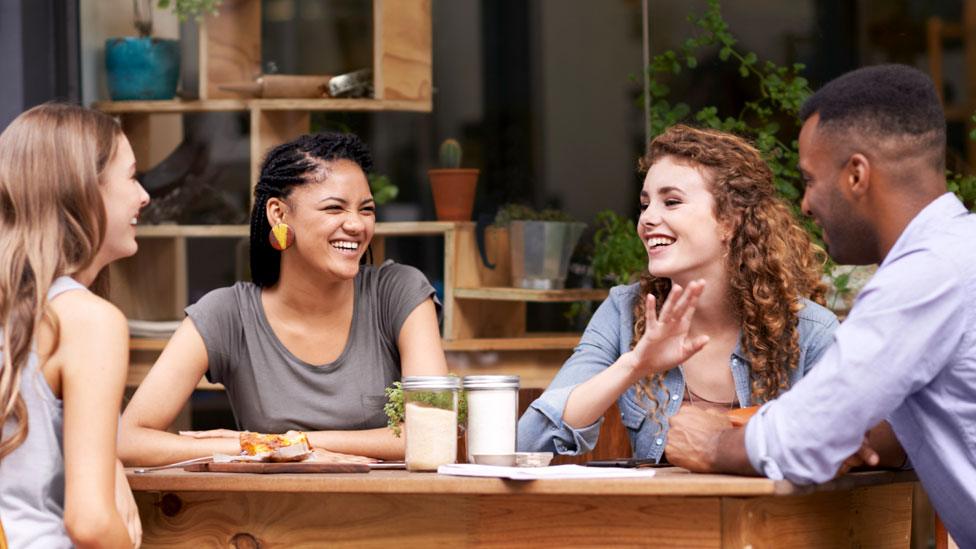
x: 272, y: 391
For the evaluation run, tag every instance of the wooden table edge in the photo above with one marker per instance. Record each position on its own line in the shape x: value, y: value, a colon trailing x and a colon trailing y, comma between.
x: 669, y: 483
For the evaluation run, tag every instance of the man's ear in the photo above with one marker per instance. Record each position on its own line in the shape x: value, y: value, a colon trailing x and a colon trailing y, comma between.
x: 275, y: 209
x: 858, y: 175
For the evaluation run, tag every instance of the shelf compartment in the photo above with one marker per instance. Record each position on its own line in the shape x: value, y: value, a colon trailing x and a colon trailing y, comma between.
x: 242, y: 105
x: 528, y: 342
x: 139, y: 370
x: 524, y: 294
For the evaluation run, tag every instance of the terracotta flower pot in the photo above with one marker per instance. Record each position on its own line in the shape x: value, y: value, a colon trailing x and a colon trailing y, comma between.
x: 453, y: 193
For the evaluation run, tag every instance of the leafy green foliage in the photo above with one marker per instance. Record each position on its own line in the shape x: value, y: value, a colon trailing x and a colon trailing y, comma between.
x: 520, y: 212
x: 383, y: 190
x: 781, y: 93
x: 618, y: 254
x: 395, y: 407
x: 184, y: 9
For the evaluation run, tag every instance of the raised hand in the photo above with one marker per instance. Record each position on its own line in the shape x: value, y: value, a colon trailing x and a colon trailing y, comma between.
x: 665, y: 343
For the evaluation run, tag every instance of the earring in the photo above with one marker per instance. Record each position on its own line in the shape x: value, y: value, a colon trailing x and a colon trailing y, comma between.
x: 281, y: 236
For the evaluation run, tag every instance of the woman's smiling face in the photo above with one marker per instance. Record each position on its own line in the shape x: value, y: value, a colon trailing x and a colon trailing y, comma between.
x: 677, y: 224
x: 333, y: 218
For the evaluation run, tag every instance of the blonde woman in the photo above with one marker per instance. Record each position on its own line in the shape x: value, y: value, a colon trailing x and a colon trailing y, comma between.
x: 68, y: 203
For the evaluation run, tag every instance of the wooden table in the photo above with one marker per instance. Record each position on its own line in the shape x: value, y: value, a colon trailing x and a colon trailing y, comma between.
x: 399, y: 509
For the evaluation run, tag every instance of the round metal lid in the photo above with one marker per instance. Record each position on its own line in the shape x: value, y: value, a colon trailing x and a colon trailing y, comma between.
x: 491, y: 382
x: 431, y: 382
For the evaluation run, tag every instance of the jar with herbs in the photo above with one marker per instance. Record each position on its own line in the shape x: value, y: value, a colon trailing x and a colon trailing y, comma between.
x: 492, y: 414
x: 431, y: 421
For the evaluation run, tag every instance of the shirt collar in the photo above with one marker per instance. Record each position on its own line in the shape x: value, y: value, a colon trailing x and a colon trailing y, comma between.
x: 944, y: 207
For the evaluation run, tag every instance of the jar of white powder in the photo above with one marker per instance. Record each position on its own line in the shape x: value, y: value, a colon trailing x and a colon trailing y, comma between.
x: 430, y: 414
x: 492, y: 414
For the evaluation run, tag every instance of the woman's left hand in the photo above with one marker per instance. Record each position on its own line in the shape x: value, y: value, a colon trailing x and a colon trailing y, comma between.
x: 212, y: 433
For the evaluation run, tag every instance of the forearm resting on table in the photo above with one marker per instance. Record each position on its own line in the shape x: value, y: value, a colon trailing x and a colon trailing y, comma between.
x: 146, y: 447
x: 591, y: 399
x: 731, y: 455
x: 378, y: 443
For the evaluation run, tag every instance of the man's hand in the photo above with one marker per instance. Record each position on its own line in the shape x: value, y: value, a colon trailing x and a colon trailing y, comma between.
x: 865, y: 455
x: 693, y: 438
x: 665, y: 343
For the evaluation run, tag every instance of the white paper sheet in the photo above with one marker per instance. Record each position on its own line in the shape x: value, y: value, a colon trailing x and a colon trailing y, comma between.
x: 536, y: 473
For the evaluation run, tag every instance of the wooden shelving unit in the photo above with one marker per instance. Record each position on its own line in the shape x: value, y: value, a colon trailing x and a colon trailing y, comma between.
x: 243, y: 105
x: 480, y: 313
x: 937, y: 31
x: 538, y: 296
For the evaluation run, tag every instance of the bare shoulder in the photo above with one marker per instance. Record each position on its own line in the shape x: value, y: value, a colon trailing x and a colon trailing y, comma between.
x: 84, y: 315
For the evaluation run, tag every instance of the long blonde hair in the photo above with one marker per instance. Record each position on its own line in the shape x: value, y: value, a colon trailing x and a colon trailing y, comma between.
x: 52, y: 223
x: 771, y: 260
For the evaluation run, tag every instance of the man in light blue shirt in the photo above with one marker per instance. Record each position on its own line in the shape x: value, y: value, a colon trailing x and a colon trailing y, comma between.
x: 872, y: 152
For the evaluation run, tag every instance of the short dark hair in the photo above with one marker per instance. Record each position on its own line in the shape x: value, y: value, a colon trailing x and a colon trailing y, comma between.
x: 285, y: 167
x: 882, y: 101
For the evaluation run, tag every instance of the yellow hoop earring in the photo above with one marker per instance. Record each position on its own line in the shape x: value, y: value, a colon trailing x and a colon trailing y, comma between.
x: 281, y: 236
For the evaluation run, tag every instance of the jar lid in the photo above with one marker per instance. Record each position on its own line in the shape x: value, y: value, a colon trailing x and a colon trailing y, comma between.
x: 491, y: 382
x: 431, y: 382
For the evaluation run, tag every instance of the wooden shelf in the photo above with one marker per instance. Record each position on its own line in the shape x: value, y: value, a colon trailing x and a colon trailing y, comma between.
x: 530, y: 342
x: 240, y: 105
x: 147, y: 344
x: 418, y: 228
x: 138, y: 372
x: 218, y: 231
x: 523, y: 294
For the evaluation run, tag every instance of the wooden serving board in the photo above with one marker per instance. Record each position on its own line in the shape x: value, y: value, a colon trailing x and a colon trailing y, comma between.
x: 287, y: 467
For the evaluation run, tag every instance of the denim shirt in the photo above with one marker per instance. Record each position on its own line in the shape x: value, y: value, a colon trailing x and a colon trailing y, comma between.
x: 607, y: 337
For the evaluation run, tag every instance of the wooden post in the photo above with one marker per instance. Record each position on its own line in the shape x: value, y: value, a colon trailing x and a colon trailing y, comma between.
x: 402, y: 50
x: 230, y: 47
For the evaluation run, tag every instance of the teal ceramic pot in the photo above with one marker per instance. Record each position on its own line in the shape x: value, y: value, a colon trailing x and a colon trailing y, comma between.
x: 142, y: 68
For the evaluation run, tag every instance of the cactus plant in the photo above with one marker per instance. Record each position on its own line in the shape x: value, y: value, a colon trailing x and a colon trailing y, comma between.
x: 450, y: 154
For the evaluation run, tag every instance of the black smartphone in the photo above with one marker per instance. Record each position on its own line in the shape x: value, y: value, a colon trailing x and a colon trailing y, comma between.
x: 625, y: 462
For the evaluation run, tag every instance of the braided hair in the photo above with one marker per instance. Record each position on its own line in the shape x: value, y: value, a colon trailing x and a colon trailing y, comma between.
x: 286, y: 166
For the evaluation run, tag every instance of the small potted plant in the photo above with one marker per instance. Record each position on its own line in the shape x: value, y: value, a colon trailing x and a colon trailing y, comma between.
x: 144, y: 67
x: 541, y: 244
x: 453, y: 187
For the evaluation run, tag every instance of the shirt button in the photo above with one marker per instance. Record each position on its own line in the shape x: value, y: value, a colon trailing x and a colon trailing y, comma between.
x: 659, y: 441
x: 674, y: 397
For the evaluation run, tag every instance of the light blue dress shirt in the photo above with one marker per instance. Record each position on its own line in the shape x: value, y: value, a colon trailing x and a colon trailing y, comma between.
x: 906, y: 353
x: 607, y: 336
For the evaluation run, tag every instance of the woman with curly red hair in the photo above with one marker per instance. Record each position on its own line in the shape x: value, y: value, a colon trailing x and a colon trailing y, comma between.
x: 725, y: 316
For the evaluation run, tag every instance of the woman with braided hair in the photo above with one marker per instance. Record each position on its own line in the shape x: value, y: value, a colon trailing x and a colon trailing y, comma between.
x: 725, y: 316
x: 312, y: 342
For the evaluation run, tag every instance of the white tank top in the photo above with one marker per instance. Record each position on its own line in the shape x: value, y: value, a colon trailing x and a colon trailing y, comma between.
x: 32, y: 476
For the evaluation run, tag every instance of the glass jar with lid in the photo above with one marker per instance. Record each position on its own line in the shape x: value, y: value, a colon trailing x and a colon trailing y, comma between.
x: 492, y: 414
x: 430, y: 414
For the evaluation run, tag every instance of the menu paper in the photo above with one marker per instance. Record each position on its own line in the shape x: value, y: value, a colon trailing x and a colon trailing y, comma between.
x: 538, y: 473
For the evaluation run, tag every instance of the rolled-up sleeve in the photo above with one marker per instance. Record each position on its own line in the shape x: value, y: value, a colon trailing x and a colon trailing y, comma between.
x: 900, y: 334
x: 541, y: 428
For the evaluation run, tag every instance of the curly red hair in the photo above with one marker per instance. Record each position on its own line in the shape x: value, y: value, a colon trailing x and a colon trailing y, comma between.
x: 771, y: 260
